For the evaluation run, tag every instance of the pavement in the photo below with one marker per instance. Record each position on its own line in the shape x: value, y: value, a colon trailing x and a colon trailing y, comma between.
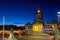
x: 33, y: 37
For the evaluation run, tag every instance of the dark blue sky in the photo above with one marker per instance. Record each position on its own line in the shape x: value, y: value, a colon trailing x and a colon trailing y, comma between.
x: 23, y: 11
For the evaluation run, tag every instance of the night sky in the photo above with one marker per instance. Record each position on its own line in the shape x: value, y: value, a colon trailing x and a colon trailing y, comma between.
x: 23, y: 11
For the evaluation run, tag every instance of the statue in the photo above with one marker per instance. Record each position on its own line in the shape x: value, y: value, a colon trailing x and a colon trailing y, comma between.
x: 11, y: 37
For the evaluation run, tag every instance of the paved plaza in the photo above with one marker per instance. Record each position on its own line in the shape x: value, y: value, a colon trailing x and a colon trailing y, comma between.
x: 33, y: 37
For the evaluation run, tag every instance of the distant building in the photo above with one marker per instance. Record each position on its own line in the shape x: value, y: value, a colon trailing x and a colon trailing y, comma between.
x: 39, y: 25
x: 16, y: 30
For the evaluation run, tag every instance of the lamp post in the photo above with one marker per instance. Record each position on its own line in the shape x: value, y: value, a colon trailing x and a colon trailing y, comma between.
x: 56, y: 32
x: 58, y: 17
x: 56, y: 29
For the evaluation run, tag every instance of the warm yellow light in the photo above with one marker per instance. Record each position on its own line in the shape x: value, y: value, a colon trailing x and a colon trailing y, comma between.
x: 38, y: 27
x: 35, y: 28
x: 52, y: 27
x: 38, y: 11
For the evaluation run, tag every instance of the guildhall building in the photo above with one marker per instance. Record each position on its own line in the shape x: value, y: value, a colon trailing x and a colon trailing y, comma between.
x: 39, y: 26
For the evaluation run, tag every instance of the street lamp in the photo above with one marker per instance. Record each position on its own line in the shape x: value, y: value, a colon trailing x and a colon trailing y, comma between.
x: 56, y: 29
x: 58, y: 12
x: 58, y: 17
x: 56, y: 32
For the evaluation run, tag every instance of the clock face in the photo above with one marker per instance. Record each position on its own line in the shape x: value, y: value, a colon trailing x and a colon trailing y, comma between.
x: 38, y: 11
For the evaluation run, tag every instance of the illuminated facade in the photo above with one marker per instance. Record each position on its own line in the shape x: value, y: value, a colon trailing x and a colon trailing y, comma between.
x: 39, y: 25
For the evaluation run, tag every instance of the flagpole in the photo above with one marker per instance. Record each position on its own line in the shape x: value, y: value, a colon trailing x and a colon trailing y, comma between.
x: 3, y: 26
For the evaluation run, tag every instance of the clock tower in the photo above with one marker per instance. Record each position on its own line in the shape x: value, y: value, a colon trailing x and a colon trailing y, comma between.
x: 38, y: 22
x: 39, y: 15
